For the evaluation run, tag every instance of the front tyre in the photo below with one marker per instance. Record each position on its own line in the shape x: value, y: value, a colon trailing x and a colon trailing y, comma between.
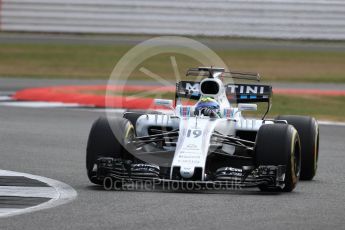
x: 308, y: 131
x: 103, y: 143
x: 278, y: 144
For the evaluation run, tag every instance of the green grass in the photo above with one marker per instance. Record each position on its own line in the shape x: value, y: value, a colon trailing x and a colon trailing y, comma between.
x: 321, y: 107
x: 98, y: 61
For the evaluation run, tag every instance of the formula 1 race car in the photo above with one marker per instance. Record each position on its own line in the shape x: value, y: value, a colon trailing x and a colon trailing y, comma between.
x: 207, y: 143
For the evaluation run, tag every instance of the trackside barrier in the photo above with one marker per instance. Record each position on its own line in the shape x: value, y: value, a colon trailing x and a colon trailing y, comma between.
x: 290, y: 19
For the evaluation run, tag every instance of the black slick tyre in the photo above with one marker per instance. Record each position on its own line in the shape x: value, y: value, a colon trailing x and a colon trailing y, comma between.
x: 278, y: 144
x: 308, y: 131
x: 103, y: 143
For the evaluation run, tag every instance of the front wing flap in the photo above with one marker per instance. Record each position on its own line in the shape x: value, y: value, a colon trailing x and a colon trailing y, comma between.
x: 228, y: 177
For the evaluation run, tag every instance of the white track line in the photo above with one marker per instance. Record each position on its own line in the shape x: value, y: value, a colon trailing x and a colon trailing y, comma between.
x: 33, y: 104
x: 334, y: 123
x: 22, y: 191
x: 61, y: 193
x: 4, y: 211
x: 5, y: 98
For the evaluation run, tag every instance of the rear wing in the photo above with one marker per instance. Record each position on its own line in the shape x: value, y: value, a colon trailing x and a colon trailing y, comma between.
x: 236, y: 93
x: 210, y: 71
x: 188, y: 89
x: 248, y: 93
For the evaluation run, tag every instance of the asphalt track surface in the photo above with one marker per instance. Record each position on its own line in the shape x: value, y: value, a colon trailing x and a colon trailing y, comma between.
x: 52, y: 142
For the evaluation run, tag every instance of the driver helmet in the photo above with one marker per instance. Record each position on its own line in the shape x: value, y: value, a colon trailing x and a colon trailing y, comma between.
x: 207, y: 106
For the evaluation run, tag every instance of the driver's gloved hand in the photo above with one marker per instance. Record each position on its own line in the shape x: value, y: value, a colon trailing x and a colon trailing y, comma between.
x: 207, y: 112
x: 210, y: 112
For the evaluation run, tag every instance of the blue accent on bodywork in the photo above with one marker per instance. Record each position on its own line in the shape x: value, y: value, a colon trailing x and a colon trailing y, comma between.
x: 196, y: 93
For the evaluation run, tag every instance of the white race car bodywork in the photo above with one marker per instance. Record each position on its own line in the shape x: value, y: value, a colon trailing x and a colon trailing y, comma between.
x: 195, y: 131
x: 208, y: 142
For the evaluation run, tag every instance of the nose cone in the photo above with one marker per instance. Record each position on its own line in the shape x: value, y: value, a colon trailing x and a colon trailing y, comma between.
x: 187, y: 172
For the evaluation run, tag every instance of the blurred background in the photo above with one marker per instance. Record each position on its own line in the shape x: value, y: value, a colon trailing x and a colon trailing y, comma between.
x: 56, y: 57
x: 298, y: 46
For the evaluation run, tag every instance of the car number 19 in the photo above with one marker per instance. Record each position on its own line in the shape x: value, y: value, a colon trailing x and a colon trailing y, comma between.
x: 194, y: 133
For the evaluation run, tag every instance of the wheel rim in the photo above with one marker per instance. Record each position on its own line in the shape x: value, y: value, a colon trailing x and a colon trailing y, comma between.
x: 130, y: 135
x: 297, y: 159
x: 316, y: 150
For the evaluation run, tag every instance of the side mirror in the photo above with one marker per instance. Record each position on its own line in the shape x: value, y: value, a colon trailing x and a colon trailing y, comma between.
x: 247, y: 107
x: 164, y: 102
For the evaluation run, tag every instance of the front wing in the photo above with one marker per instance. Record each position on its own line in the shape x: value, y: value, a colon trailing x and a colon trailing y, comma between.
x: 227, y: 177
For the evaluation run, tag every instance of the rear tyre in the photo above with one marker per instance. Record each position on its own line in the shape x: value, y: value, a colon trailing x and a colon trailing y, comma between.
x: 278, y: 144
x: 103, y: 143
x: 308, y: 131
